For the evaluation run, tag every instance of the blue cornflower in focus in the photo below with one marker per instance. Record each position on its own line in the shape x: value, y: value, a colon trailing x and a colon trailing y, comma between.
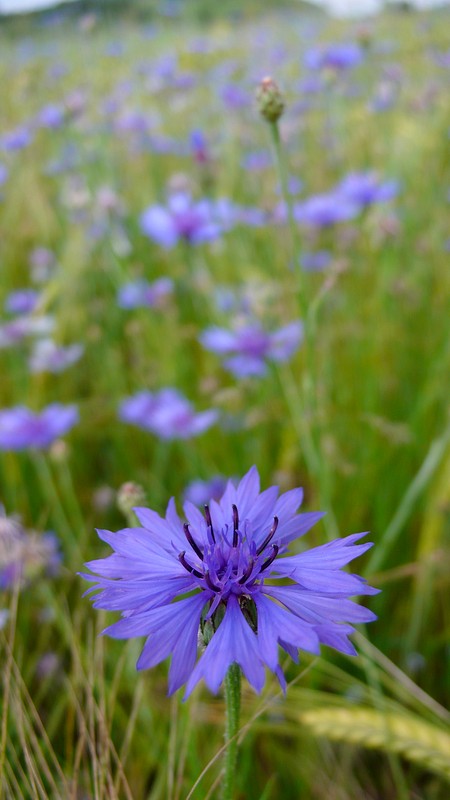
x: 182, y: 219
x: 249, y: 346
x: 228, y: 574
x: 22, y: 429
x: 167, y: 414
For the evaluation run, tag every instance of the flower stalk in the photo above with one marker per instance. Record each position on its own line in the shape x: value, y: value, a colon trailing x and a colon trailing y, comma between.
x: 233, y: 707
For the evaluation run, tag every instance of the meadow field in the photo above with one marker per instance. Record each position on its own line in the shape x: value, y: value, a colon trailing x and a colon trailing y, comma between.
x: 189, y: 290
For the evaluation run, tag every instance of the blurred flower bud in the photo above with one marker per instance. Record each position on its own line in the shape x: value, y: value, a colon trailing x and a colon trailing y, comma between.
x: 129, y: 496
x: 270, y: 100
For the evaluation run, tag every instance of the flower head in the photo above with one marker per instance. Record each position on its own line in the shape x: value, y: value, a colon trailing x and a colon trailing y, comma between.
x: 167, y: 414
x: 365, y: 188
x: 182, y: 219
x: 323, y: 210
x: 141, y: 293
x: 47, y: 356
x: 22, y: 301
x: 250, y: 346
x: 270, y: 100
x: 227, y: 574
x: 338, y: 56
x: 25, y: 554
x: 21, y: 429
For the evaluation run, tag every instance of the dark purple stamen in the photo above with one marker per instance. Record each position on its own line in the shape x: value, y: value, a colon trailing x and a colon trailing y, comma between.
x: 269, y: 536
x: 211, y: 584
x: 209, y: 522
x: 186, y: 565
x: 235, y: 525
x: 271, y: 558
x: 247, y: 573
x: 192, y: 541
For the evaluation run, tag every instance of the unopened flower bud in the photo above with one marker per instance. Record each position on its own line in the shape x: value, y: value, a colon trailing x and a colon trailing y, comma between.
x: 129, y: 496
x: 270, y: 100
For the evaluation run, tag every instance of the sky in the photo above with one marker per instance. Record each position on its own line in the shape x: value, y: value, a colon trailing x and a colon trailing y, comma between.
x: 338, y: 7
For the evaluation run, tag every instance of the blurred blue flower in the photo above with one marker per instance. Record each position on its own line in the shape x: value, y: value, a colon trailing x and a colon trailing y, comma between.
x: 315, y: 262
x: 25, y: 555
x: 166, y: 413
x: 365, y: 188
x: 226, y: 574
x: 21, y: 301
x: 338, y: 56
x: 17, y: 139
x: 323, y: 210
x: 251, y: 345
x: 182, y: 219
x: 47, y: 356
x: 200, y: 492
x: 22, y: 429
x: 13, y: 332
x: 3, y: 174
x: 141, y: 293
x: 199, y: 147
x: 51, y: 116
x: 235, y: 97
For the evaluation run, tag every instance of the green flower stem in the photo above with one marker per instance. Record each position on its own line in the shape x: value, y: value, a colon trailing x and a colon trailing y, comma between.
x: 233, y: 707
x: 63, y: 526
x: 287, y: 197
x: 310, y: 436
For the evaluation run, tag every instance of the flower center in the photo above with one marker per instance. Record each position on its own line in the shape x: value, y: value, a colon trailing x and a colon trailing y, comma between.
x: 230, y: 562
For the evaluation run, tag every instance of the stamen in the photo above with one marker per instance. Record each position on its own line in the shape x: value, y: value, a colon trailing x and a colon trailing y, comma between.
x: 269, y: 536
x: 209, y: 522
x: 186, y: 565
x: 192, y: 541
x: 235, y: 525
x: 211, y: 584
x: 247, y: 572
x: 271, y: 558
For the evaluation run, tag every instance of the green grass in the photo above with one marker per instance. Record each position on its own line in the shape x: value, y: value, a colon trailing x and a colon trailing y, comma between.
x: 361, y: 422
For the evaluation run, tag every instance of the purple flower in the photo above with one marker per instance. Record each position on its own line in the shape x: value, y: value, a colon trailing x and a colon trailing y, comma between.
x: 3, y: 174
x: 334, y: 56
x: 229, y: 575
x: 200, y: 492
x: 323, y: 210
x: 364, y: 188
x: 22, y: 326
x: 234, y: 97
x: 315, y: 262
x: 42, y: 262
x: 51, y: 116
x: 17, y: 139
x: 256, y: 160
x: 167, y: 414
x: 21, y: 429
x: 47, y: 356
x: 250, y: 346
x: 22, y: 301
x: 25, y: 555
x: 182, y: 219
x: 141, y: 293
x: 199, y: 147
